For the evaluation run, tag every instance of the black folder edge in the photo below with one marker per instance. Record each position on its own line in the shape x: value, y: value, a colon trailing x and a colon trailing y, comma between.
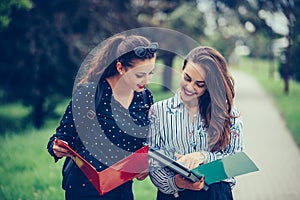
x: 174, y: 166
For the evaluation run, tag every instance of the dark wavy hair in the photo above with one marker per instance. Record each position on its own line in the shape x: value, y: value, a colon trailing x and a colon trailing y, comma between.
x: 102, y: 60
x: 216, y: 103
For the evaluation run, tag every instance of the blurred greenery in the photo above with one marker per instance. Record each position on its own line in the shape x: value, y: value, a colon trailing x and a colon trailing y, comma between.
x: 288, y: 105
x: 45, y: 41
x: 13, y: 117
x: 6, y: 7
x: 27, y: 171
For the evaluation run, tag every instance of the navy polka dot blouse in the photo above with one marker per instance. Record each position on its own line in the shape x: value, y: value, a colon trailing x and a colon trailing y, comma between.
x: 117, y: 133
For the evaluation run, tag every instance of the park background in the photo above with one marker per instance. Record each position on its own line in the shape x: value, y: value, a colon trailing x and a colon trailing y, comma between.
x: 44, y: 42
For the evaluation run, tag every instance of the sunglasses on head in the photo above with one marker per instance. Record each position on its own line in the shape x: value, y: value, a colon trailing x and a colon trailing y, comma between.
x: 141, y: 51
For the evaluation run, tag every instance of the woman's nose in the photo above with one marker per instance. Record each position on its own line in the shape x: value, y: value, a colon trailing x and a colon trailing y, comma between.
x: 191, y: 86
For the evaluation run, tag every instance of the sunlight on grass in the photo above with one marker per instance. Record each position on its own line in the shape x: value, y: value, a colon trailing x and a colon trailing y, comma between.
x: 16, y: 110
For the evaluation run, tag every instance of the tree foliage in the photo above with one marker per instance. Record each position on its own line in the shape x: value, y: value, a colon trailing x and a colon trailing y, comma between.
x: 7, y: 7
x: 44, y: 42
x: 295, y: 47
x: 288, y: 8
x: 43, y: 47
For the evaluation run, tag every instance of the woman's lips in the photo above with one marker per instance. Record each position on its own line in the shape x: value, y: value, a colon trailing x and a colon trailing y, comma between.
x: 141, y: 86
x: 188, y: 93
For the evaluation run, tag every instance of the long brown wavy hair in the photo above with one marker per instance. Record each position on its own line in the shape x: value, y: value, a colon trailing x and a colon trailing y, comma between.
x: 216, y: 103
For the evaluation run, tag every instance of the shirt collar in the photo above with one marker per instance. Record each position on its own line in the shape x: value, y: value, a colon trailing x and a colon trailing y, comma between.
x: 177, y: 101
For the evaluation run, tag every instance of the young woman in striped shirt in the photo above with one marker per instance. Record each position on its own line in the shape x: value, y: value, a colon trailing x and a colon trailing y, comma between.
x: 199, y: 124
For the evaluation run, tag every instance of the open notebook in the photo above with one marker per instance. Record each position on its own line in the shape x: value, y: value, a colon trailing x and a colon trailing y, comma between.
x: 114, y: 176
x: 215, y: 171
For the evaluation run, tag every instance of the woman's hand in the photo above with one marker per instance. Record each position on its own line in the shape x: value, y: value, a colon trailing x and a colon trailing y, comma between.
x: 181, y: 182
x: 60, y: 151
x: 191, y: 160
x: 142, y: 176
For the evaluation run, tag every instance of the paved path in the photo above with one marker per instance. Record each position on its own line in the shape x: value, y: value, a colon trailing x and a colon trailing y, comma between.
x: 268, y: 143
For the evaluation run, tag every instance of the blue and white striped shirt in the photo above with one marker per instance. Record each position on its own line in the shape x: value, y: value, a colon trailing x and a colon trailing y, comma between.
x: 172, y: 130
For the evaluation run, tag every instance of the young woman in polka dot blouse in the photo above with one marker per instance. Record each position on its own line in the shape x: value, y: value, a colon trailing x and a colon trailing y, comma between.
x: 114, y: 75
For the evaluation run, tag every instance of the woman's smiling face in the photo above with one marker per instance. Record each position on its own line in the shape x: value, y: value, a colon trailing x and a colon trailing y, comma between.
x: 192, y: 83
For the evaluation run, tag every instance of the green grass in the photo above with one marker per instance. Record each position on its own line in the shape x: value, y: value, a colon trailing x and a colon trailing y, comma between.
x: 26, y: 170
x: 13, y: 117
x: 144, y: 190
x: 288, y: 105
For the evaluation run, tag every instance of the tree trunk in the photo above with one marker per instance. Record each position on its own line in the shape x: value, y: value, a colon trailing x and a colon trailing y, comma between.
x: 167, y: 76
x: 271, y: 60
x: 287, y: 56
x: 287, y: 70
x: 38, y: 112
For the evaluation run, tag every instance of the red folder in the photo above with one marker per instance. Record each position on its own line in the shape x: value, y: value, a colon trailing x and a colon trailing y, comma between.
x: 117, y: 174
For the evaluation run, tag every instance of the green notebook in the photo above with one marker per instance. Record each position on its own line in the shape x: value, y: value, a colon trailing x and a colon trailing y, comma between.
x: 227, y: 167
x: 215, y: 171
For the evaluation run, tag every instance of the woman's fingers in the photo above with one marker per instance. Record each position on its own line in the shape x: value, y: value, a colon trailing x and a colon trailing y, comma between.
x: 191, y: 160
x: 60, y: 151
x: 181, y: 182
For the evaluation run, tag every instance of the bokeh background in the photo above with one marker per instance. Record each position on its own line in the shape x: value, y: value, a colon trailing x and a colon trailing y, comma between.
x: 43, y: 44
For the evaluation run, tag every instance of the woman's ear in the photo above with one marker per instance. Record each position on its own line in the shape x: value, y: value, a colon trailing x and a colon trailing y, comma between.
x: 119, y: 67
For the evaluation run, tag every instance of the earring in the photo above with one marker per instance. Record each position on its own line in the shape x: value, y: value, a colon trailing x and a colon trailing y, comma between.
x: 121, y: 73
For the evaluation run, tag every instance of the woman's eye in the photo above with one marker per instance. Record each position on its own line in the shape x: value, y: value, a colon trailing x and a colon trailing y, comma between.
x: 187, y: 78
x: 139, y: 76
x: 200, y: 85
